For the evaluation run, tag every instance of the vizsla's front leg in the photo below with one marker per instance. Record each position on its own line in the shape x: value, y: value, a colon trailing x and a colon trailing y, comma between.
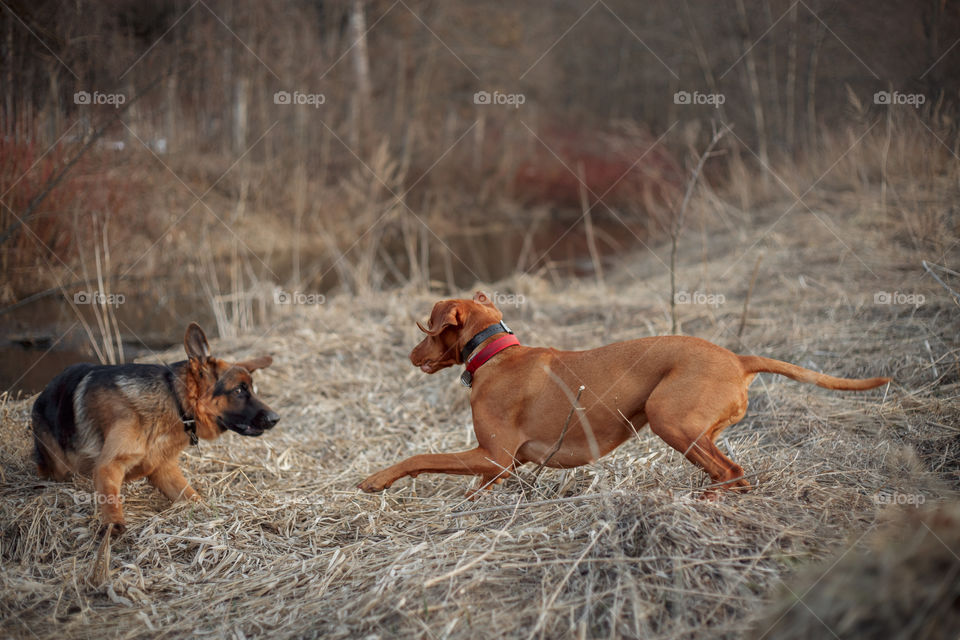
x: 475, y: 462
x: 168, y: 478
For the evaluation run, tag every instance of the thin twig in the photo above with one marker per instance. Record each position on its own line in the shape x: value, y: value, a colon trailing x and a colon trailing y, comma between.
x: 563, y: 433
x: 591, y: 439
x: 677, y: 227
x: 746, y: 302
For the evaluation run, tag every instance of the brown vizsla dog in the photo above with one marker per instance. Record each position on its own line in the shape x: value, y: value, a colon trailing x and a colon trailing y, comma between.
x: 687, y: 389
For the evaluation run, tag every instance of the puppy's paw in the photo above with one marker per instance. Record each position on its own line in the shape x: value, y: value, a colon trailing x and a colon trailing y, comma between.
x: 111, y: 529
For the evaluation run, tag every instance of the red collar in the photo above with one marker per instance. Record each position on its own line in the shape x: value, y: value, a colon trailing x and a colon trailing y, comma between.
x: 485, y: 354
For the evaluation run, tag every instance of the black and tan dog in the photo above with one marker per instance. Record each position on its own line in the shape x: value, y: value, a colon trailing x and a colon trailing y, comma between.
x: 123, y: 422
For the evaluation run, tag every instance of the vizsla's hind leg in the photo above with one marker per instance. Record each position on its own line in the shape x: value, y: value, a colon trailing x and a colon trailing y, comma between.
x: 691, y: 430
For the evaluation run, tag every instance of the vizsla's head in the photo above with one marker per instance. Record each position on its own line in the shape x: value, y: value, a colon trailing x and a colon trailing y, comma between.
x: 452, y: 324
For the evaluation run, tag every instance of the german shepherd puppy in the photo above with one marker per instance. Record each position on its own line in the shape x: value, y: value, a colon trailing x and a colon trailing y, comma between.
x: 123, y: 422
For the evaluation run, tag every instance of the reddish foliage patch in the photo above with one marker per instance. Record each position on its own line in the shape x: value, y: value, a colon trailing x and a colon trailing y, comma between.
x: 63, y: 224
x: 623, y: 171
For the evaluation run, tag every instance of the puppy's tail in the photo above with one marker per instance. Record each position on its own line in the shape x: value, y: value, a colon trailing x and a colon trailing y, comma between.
x: 758, y: 364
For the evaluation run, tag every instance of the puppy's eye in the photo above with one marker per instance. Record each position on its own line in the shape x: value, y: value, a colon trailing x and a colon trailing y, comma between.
x: 240, y: 391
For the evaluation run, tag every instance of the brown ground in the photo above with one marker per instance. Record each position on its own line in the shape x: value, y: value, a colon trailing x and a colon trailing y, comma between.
x: 287, y: 547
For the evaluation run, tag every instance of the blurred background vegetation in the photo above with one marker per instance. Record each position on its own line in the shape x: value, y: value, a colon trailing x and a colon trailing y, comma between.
x: 195, y: 192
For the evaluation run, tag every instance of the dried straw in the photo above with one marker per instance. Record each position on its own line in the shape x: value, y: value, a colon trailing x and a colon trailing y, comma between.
x: 285, y: 546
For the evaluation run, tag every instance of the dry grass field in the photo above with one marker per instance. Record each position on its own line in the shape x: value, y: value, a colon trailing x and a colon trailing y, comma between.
x: 285, y: 546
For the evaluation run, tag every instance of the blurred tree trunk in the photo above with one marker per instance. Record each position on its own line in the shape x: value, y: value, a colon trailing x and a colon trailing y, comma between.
x: 134, y: 128
x: 773, y: 79
x: 8, y: 63
x: 53, y: 117
x: 791, y: 88
x: 704, y: 61
x: 171, y: 112
x: 754, y: 83
x: 931, y: 21
x: 812, y: 86
x: 360, y: 108
x: 240, y: 119
x: 400, y: 93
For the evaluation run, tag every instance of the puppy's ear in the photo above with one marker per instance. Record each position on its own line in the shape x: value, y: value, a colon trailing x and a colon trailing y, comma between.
x: 195, y: 343
x: 443, y: 318
x: 482, y: 298
x: 256, y: 363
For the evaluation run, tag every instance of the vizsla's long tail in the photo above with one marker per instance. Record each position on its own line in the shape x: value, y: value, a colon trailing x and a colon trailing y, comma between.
x: 758, y: 364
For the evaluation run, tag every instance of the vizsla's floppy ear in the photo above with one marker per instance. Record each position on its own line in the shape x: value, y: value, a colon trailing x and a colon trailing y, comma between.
x: 482, y: 298
x: 443, y: 317
x: 195, y: 343
x: 256, y: 363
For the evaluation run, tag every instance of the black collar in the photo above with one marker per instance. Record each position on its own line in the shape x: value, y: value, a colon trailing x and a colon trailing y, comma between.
x: 475, y: 341
x: 189, y: 424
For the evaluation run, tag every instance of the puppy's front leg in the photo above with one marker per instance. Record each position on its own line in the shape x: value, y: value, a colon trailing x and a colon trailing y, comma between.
x: 107, y: 479
x: 169, y: 479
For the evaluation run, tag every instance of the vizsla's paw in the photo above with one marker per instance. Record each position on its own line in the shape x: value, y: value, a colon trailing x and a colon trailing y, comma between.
x: 715, y: 492
x: 374, y: 483
x: 473, y: 494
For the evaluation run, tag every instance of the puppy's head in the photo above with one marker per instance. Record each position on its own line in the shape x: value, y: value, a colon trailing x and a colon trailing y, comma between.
x: 224, y: 393
x: 452, y: 324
